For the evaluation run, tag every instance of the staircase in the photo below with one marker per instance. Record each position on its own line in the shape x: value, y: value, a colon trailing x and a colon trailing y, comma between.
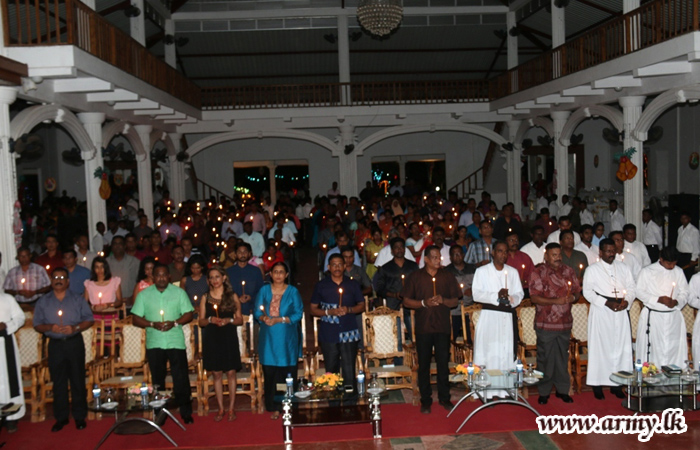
x: 204, y: 190
x: 475, y: 181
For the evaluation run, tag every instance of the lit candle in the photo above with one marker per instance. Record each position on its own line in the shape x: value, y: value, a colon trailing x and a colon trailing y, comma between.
x: 550, y: 224
x: 195, y: 235
x: 505, y: 272
x: 243, y: 287
x: 167, y: 231
x: 48, y: 267
x: 340, y: 297
x: 403, y: 277
x: 60, y: 316
x: 99, y: 297
x: 672, y: 288
x: 216, y: 308
x: 568, y: 289
x: 580, y: 270
x: 324, y: 246
x: 162, y: 315
x: 23, y: 280
x: 523, y: 267
x: 510, y: 229
x: 434, y: 291
x: 84, y: 258
x: 195, y: 299
x: 461, y: 286
x: 262, y: 308
x: 629, y: 251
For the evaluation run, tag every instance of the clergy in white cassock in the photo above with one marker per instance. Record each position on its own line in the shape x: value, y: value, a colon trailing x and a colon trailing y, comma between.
x: 627, y: 258
x: 694, y: 301
x: 11, y: 320
x: 609, y: 287
x: 661, y: 333
x: 632, y: 245
x: 497, y: 286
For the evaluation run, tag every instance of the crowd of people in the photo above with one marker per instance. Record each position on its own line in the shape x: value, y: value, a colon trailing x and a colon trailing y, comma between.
x: 215, y: 262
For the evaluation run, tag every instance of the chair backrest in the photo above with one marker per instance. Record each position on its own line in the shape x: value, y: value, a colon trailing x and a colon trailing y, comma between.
x: 579, y: 330
x: 132, y: 349
x: 635, y: 311
x: 188, y: 331
x: 689, y: 316
x: 474, y: 320
x: 29, y: 343
x: 381, y: 328
x: 468, y: 311
x: 526, y: 323
x: 90, y: 341
x: 245, y: 337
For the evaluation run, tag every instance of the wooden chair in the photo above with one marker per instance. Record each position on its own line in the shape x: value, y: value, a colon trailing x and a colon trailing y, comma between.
x: 29, y: 342
x: 382, y: 333
x: 579, y: 343
x: 245, y: 378
x: 131, y: 359
x: 194, y: 366
x: 462, y: 348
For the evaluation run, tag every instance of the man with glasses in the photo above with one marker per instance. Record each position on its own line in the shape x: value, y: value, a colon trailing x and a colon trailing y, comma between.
x: 27, y: 281
x: 62, y: 316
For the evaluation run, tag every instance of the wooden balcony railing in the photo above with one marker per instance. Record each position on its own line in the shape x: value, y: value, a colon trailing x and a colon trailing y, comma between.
x: 70, y: 22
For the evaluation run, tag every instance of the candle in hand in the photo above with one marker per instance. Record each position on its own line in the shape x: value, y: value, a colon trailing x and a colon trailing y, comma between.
x: 48, y: 267
x: 403, y: 277
x: 262, y: 308
x: 216, y: 309
x: 673, y: 286
x: 505, y: 272
x: 568, y: 289
x: 580, y: 270
x: 243, y: 287
x: 23, y: 280
x: 434, y: 292
x: 340, y: 298
x: 162, y: 315
x: 60, y: 316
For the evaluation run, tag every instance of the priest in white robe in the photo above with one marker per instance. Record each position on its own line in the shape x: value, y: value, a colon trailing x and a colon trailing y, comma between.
x: 610, y: 288
x: 497, y: 286
x: 632, y: 245
x: 661, y: 333
x: 694, y: 301
x: 627, y: 258
x: 11, y: 320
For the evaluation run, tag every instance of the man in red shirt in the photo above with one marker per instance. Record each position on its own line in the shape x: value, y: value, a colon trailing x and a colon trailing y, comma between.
x: 51, y: 258
x: 519, y: 260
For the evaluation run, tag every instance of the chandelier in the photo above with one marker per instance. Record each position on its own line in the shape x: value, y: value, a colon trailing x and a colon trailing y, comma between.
x: 379, y: 17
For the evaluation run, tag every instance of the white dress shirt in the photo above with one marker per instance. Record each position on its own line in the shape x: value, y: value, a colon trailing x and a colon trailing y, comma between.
x: 689, y: 241
x: 586, y: 217
x: 592, y: 253
x: 651, y: 234
x: 639, y: 250
x: 535, y: 253
x: 617, y: 220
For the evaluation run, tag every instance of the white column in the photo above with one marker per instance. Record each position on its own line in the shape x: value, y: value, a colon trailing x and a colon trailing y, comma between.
x: 96, y: 207
x: 273, y: 183
x: 8, y: 181
x: 558, y: 28
x: 561, y: 155
x: 143, y: 163
x: 347, y: 163
x: 513, y: 164
x: 634, y: 188
x: 512, y: 41
x: 170, y: 50
x: 177, y: 172
x: 344, y: 57
x: 138, y: 24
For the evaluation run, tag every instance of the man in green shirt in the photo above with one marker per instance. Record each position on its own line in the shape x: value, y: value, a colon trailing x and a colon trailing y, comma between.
x: 162, y: 309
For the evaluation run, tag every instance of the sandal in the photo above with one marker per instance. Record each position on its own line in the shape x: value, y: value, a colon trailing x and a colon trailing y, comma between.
x: 231, y: 416
x: 219, y: 416
x: 275, y: 415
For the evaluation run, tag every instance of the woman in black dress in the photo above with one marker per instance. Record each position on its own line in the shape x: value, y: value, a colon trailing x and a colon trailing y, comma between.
x: 219, y: 316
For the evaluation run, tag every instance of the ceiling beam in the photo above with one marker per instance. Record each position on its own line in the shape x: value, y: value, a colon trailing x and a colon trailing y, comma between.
x: 335, y: 74
x: 526, y: 50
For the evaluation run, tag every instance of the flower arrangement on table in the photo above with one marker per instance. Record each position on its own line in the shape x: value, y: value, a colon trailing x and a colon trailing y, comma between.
x: 462, y: 368
x: 329, y: 381
x: 649, y: 369
x: 135, y: 389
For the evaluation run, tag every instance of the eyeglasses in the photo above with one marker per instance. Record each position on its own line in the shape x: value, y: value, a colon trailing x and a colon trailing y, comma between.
x: 59, y: 277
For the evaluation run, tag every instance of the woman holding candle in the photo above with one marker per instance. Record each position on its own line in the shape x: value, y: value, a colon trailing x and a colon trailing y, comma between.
x: 219, y: 316
x: 103, y: 290
x: 145, y: 276
x: 279, y: 309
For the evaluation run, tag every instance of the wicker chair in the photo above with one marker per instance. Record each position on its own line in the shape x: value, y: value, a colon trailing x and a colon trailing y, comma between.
x: 194, y: 368
x: 689, y: 314
x: 29, y: 342
x: 635, y: 311
x: 579, y: 343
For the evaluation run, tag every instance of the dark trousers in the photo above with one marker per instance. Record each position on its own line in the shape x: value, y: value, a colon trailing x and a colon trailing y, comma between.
x: 340, y: 357
x: 653, y: 251
x: 157, y: 363
x: 552, y: 361
x: 425, y: 345
x: 67, y: 364
x: 275, y: 375
x: 684, y: 260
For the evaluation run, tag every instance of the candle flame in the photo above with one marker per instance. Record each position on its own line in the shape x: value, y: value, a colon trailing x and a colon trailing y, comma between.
x: 340, y: 290
x: 243, y: 283
x: 60, y: 313
x: 23, y: 280
x: 162, y: 312
x: 48, y: 267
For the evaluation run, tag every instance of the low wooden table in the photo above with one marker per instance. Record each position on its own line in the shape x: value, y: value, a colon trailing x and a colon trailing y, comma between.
x: 324, y: 408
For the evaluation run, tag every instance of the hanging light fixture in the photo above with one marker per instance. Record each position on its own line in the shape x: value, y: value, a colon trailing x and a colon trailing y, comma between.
x: 380, y: 17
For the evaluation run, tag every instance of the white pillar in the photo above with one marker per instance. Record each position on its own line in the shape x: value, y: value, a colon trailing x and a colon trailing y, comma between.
x: 634, y: 188
x: 170, y: 50
x: 143, y: 163
x: 344, y: 57
x: 558, y: 26
x: 8, y: 181
x: 96, y: 207
x: 512, y: 41
x: 347, y: 163
x: 177, y: 172
x: 138, y: 24
x: 273, y: 183
x: 513, y: 172
x: 561, y: 155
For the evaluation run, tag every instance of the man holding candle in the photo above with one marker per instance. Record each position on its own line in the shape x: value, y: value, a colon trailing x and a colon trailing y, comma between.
x: 464, y: 274
x: 661, y: 334
x: 78, y: 275
x: 51, y: 258
x: 391, y: 276
x: 62, y: 316
x: 432, y: 291
x: 162, y: 309
x: 337, y: 300
x: 609, y: 287
x: 439, y: 242
x: 479, y: 252
x: 631, y: 261
x: 520, y: 260
x: 535, y: 248
x: 564, y: 224
x: 632, y: 245
x: 246, y: 279
x: 355, y: 272
x: 554, y: 286
x: 497, y: 287
x: 570, y: 257
x: 587, y: 247
x: 27, y: 281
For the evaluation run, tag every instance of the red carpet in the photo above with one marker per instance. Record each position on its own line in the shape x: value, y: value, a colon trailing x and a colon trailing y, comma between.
x: 400, y: 420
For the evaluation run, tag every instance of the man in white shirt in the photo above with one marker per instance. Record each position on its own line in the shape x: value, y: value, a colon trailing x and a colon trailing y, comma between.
x: 651, y: 235
x: 541, y: 203
x: 98, y: 241
x: 688, y: 245
x: 565, y: 206
x: 661, y: 334
x: 627, y: 258
x: 466, y: 217
x: 587, y: 247
x: 632, y: 245
x: 585, y: 215
x: 617, y: 219
x: 564, y: 224
x: 535, y: 248
x: 609, y: 287
x: 333, y: 194
x: 253, y: 238
x: 233, y: 227
x: 553, y: 206
x: 439, y: 242
x: 287, y: 233
x: 497, y: 287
